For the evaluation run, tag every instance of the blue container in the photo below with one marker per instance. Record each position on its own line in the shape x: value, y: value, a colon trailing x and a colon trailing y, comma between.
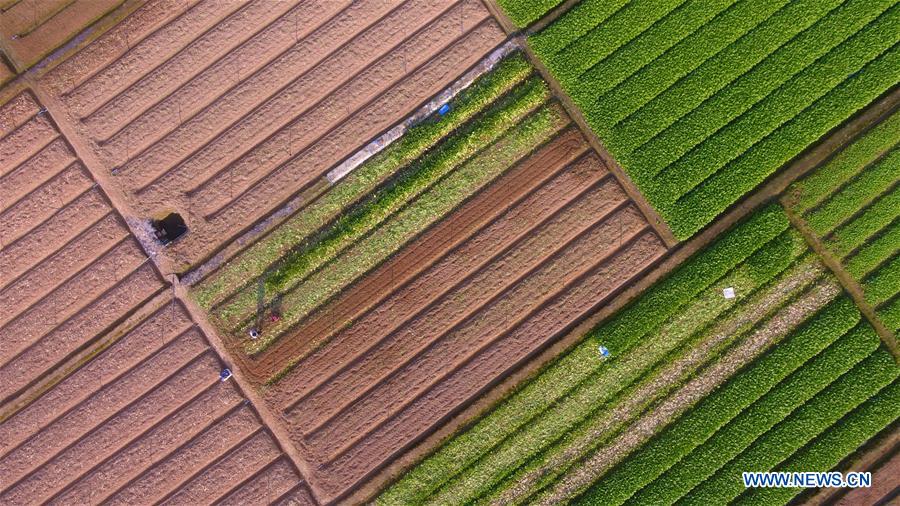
x: 444, y: 109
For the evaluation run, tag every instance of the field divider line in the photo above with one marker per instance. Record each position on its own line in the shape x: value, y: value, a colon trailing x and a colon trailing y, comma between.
x: 361, y: 312
x: 635, y: 237
x: 215, y: 213
x: 123, y: 167
x: 198, y: 472
x: 698, y: 348
x: 58, y: 178
x: 461, y: 320
x: 135, y: 438
x: 296, y: 284
x: 76, y: 361
x: 469, y: 274
x: 850, y: 285
x: 319, y: 186
x: 59, y: 165
x: 157, y: 458
x: 115, y: 198
x: 153, y: 388
x: 653, y: 218
x: 130, y: 45
x: 248, y: 479
x: 719, y: 371
x: 24, y: 121
x: 87, y: 115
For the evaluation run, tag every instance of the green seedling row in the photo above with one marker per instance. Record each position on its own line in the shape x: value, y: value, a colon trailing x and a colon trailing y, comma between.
x: 830, y: 448
x: 856, y: 195
x: 847, y: 164
x: 699, y: 112
x: 403, y: 226
x: 579, y: 374
x: 683, y: 437
x: 803, y: 425
x: 296, y: 266
x: 884, y: 283
x: 255, y: 260
x: 856, y: 232
x: 525, y: 12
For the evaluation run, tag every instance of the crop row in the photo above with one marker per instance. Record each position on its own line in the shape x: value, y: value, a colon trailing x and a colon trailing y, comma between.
x: 525, y: 12
x: 693, y: 448
x: 464, y: 181
x: 296, y: 266
x: 739, y: 90
x: 803, y: 425
x: 255, y: 260
x: 827, y: 450
x: 853, y: 203
x: 572, y: 390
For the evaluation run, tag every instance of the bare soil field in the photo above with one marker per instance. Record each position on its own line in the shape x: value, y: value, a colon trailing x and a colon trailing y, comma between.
x: 222, y: 111
x: 459, y: 308
x: 108, y: 391
x: 31, y: 29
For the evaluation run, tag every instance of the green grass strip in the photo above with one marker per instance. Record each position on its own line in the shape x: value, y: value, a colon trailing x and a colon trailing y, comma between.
x: 804, y: 424
x: 856, y: 232
x: 732, y: 438
x: 612, y: 34
x: 850, y: 161
x: 875, y: 252
x: 666, y: 299
x: 751, y: 109
x: 856, y: 195
x: 884, y: 283
x: 403, y: 226
x: 830, y: 448
x: 296, y: 266
x: 649, y: 462
x: 525, y: 12
x: 549, y: 431
x: 699, y: 107
x: 706, y: 201
x: 572, y: 25
x: 253, y: 261
x: 645, y: 49
x: 695, y: 69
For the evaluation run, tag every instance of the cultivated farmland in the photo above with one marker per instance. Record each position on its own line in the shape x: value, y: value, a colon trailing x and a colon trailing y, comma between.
x: 224, y: 111
x: 496, y: 230
x: 701, y: 101
x: 851, y: 205
x: 699, y: 361
x: 108, y: 391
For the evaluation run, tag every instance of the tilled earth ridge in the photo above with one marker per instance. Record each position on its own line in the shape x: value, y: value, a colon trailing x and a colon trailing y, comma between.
x: 106, y: 384
x: 187, y: 116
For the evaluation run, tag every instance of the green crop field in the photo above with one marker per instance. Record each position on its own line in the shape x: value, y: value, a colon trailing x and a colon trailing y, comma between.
x: 383, y: 204
x: 701, y: 101
x: 557, y: 433
x: 852, y: 203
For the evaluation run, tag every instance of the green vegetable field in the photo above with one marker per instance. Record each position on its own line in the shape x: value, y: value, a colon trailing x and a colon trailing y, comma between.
x: 788, y: 345
x: 852, y: 203
x: 700, y: 101
x: 383, y: 204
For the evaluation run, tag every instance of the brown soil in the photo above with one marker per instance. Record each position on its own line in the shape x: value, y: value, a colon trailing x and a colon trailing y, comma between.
x: 473, y: 314
x: 228, y: 128
x: 515, y: 189
x: 885, y: 481
x: 33, y: 28
x: 100, y: 388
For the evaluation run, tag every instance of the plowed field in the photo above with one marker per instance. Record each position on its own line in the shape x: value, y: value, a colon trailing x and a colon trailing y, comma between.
x: 223, y: 111
x: 108, y: 391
